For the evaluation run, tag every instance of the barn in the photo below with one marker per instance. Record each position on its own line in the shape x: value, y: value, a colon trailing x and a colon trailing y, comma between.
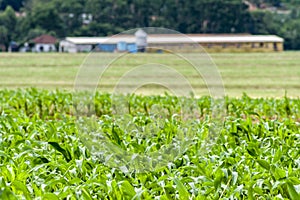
x: 178, y: 42
x: 220, y: 43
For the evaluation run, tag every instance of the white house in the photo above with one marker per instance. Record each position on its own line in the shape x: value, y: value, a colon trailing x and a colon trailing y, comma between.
x: 44, y: 43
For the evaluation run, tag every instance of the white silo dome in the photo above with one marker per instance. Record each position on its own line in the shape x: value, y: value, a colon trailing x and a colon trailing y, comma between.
x: 141, y: 38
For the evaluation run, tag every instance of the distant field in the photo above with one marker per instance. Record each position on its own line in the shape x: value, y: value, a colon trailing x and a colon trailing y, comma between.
x: 257, y: 74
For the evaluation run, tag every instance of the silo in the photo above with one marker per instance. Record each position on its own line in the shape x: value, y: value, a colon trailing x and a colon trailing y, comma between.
x: 141, y: 40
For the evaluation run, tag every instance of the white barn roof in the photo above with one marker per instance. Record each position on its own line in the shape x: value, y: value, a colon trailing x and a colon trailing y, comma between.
x: 162, y: 39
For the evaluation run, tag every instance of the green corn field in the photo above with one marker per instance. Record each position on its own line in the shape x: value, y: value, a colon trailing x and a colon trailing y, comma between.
x: 255, y: 154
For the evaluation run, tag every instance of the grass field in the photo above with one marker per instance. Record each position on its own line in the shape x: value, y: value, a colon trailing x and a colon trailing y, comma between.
x: 257, y: 74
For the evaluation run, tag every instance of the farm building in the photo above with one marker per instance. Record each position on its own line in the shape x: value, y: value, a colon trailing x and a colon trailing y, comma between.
x: 73, y: 45
x: 44, y: 43
x: 183, y: 43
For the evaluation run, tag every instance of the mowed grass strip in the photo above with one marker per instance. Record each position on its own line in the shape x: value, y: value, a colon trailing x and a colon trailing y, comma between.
x: 257, y: 74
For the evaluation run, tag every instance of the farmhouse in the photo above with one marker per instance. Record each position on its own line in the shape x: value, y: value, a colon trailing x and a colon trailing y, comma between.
x: 44, y: 43
x: 183, y: 43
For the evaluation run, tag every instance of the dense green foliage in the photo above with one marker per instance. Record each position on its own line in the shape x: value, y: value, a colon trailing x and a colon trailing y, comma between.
x: 106, y: 17
x: 256, y: 155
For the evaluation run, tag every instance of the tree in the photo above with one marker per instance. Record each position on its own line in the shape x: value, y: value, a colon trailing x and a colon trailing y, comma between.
x: 70, y: 12
x: 8, y: 19
x: 292, y: 35
x: 33, y: 33
x: 15, y: 4
x: 4, y: 39
x: 45, y: 16
x: 8, y: 23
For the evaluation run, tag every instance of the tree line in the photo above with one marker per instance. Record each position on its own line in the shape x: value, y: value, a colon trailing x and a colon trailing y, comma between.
x: 22, y: 20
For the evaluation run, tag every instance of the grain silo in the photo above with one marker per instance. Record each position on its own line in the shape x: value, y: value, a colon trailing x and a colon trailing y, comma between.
x: 141, y: 40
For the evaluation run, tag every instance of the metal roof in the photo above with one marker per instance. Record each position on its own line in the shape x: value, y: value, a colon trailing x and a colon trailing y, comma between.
x: 173, y: 39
